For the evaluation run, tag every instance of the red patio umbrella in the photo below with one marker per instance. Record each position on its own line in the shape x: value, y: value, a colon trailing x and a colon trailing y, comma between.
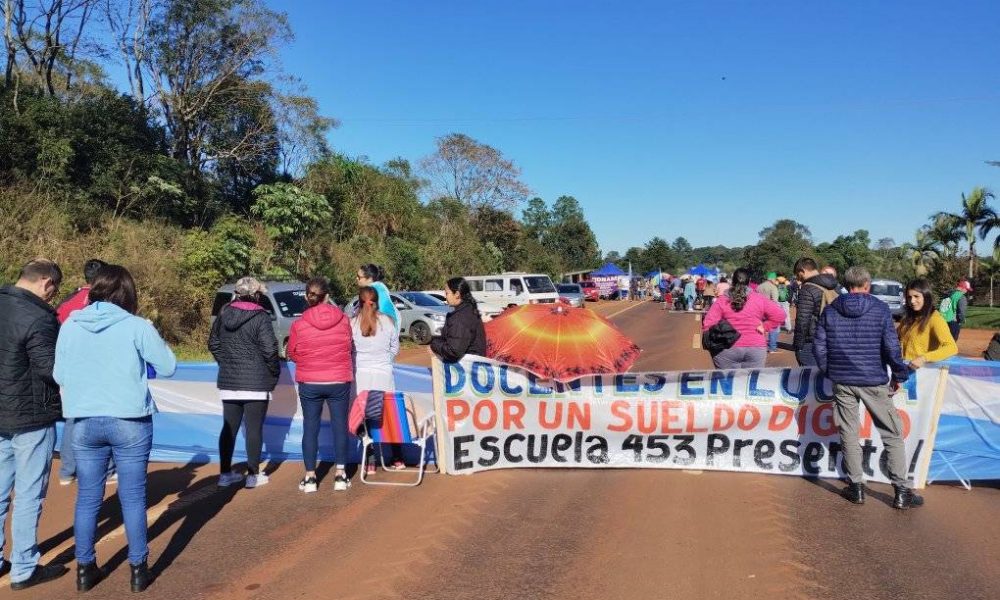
x: 559, y: 342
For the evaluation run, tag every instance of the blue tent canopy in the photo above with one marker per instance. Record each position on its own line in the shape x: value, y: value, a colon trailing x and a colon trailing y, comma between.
x: 703, y: 271
x: 651, y: 274
x: 608, y: 270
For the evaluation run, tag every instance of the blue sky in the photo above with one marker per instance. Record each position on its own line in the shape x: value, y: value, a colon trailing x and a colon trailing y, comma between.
x: 709, y: 120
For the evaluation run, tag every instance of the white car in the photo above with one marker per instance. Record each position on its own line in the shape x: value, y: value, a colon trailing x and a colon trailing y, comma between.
x: 421, y: 316
x: 487, y: 311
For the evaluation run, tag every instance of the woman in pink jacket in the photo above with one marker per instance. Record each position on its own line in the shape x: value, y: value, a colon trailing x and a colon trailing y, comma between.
x: 320, y: 345
x: 752, y: 315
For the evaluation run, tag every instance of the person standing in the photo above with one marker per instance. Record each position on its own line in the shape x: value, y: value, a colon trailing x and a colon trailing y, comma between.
x: 769, y: 289
x: 463, y: 332
x: 710, y: 294
x: 320, y: 345
x: 954, y: 306
x: 722, y: 288
x: 77, y: 301
x: 243, y: 343
x: 29, y: 408
x: 102, y: 361
x: 784, y: 298
x: 855, y: 344
x: 371, y: 275
x: 816, y: 291
x: 664, y: 285
x: 375, y: 348
x: 751, y: 314
x: 690, y: 293
x: 923, y: 333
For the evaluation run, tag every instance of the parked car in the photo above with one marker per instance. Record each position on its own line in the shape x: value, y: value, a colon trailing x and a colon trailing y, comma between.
x: 890, y: 292
x: 289, y: 297
x: 513, y: 289
x: 571, y: 293
x: 421, y: 315
x: 591, y: 292
x: 487, y: 310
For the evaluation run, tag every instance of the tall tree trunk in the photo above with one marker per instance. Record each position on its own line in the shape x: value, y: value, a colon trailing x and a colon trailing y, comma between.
x: 972, y: 258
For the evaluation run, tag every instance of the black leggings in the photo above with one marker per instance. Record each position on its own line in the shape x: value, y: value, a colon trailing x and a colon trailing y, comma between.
x: 232, y: 416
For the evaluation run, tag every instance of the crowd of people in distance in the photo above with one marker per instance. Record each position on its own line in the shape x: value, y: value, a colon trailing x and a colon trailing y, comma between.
x: 90, y: 360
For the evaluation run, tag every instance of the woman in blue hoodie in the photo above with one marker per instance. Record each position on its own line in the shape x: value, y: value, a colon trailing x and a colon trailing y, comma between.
x: 103, y: 357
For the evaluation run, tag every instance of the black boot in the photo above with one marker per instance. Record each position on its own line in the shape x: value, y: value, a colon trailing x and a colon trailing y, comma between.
x: 141, y: 577
x: 87, y: 576
x: 855, y: 492
x: 906, y: 498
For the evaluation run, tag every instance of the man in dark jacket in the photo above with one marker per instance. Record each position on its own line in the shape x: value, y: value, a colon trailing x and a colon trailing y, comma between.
x: 29, y: 409
x: 813, y: 285
x: 855, y: 341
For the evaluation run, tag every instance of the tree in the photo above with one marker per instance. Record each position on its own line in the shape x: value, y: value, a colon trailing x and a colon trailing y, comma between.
x: 473, y: 173
x: 501, y: 229
x: 49, y: 34
x: 289, y: 215
x: 848, y: 250
x: 945, y: 230
x: 924, y: 252
x: 570, y: 237
x: 537, y: 219
x: 779, y: 247
x: 991, y: 269
x: 657, y: 254
x: 683, y: 251
x: 976, y: 213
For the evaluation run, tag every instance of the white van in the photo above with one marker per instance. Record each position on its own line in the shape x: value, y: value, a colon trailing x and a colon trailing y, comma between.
x: 512, y: 289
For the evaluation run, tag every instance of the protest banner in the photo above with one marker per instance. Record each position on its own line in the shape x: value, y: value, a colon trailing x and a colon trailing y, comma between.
x: 781, y: 421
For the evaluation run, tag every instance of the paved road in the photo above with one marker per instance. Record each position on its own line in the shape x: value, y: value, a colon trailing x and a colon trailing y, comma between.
x: 549, y: 533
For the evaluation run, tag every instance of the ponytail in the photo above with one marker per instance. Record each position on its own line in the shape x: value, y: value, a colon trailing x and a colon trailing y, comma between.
x: 460, y: 286
x: 368, y: 311
x: 739, y: 291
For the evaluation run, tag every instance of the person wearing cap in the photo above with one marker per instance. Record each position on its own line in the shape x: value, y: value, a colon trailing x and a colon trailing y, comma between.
x: 954, y: 306
x: 243, y: 343
x: 769, y: 289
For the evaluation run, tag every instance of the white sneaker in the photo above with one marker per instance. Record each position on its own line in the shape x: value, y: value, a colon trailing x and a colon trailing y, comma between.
x: 341, y: 483
x: 228, y: 479
x: 113, y: 478
x: 67, y: 480
x: 257, y: 480
x: 308, y: 485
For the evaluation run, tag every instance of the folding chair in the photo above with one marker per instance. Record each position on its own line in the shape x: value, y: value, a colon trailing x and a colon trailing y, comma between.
x: 396, y: 428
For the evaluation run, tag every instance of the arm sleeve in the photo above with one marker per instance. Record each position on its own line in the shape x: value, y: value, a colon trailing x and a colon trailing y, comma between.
x: 963, y: 306
x: 268, y: 344
x: 292, y: 349
x: 939, y: 332
x: 155, y: 351
x: 452, y: 346
x: 891, y: 353
x: 774, y: 315
x: 214, y: 343
x: 804, y: 309
x: 819, y: 346
x: 393, y: 343
x: 41, y: 347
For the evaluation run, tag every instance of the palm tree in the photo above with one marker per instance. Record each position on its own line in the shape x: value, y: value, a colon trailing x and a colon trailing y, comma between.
x: 924, y: 252
x: 976, y: 213
x: 945, y: 231
x: 991, y: 268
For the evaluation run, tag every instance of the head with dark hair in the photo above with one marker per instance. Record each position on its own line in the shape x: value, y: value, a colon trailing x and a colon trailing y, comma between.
x: 317, y: 290
x: 114, y: 284
x: 42, y: 277
x: 457, y: 291
x: 369, y: 274
x: 90, y: 269
x: 919, y: 307
x: 805, y: 268
x: 739, y: 291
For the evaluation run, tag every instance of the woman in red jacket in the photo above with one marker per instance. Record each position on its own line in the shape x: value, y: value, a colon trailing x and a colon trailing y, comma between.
x: 320, y: 346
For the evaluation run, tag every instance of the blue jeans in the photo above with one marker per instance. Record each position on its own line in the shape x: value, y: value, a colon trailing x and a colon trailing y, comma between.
x: 128, y: 441
x: 25, y: 460
x: 312, y: 397
x: 67, y: 460
x: 772, y: 339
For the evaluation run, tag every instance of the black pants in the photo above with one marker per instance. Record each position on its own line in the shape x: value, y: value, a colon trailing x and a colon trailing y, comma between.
x: 955, y: 327
x: 232, y: 415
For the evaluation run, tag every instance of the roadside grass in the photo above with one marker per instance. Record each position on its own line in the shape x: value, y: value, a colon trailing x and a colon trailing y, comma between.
x: 982, y: 317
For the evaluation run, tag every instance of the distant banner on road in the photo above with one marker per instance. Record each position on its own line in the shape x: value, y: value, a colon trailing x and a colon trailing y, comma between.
x: 781, y: 421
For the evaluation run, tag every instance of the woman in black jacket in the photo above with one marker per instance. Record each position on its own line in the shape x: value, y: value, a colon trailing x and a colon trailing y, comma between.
x: 243, y: 343
x: 463, y: 331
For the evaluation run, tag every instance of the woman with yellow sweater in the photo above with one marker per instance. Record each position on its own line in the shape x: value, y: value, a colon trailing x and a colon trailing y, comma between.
x: 923, y: 333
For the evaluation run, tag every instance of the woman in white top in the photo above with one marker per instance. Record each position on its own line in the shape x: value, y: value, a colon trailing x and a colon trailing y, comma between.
x: 376, y: 344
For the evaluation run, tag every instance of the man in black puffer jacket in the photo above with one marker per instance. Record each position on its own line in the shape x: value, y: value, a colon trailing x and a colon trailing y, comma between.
x: 243, y: 343
x: 29, y: 408
x: 855, y: 343
x: 813, y: 286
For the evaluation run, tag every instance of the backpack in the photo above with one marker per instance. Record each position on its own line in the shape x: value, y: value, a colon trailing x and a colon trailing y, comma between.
x: 824, y: 301
x: 949, y: 306
x: 782, y: 293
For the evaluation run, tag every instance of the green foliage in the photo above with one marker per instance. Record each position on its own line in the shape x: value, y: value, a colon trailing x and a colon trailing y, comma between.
x: 290, y: 215
x: 224, y: 253
x: 779, y: 247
